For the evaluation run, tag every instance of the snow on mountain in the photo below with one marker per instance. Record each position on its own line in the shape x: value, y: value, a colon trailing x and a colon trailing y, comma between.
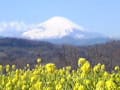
x: 56, y: 30
x: 56, y: 27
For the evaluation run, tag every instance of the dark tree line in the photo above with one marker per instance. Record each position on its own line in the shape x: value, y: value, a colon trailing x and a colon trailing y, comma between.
x: 21, y: 52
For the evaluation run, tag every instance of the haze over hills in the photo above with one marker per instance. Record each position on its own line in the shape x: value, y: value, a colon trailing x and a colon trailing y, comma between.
x: 57, y: 30
x: 21, y: 52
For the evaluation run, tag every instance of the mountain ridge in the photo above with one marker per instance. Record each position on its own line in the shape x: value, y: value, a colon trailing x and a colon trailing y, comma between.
x: 63, y: 31
x: 21, y: 52
x: 55, y: 29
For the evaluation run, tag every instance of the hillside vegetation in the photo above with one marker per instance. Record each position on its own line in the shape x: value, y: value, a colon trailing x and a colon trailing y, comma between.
x: 21, y: 52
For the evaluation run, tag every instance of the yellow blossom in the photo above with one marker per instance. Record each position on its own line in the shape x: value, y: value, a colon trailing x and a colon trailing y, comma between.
x: 111, y: 85
x: 50, y: 67
x: 81, y: 61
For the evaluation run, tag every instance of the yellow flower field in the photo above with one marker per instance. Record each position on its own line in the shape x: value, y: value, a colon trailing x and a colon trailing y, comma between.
x: 49, y: 77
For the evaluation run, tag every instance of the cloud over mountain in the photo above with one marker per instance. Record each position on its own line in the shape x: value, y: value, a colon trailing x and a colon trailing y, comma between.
x: 14, y: 24
x: 12, y: 29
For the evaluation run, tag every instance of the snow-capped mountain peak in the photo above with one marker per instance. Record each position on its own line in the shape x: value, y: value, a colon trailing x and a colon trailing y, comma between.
x: 56, y: 27
x: 61, y: 23
x: 58, y: 30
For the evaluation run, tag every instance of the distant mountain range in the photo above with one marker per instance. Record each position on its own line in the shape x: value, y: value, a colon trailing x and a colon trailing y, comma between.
x: 57, y: 30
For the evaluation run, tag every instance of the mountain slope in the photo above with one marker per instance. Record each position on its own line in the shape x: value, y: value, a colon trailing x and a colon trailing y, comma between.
x: 63, y: 31
x: 21, y: 52
x: 56, y: 27
x: 58, y: 30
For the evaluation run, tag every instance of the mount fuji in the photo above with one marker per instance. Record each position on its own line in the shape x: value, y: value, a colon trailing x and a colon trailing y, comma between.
x: 60, y: 30
x: 57, y: 30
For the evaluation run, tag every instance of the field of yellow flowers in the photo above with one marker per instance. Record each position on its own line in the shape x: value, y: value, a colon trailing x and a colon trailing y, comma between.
x: 49, y: 77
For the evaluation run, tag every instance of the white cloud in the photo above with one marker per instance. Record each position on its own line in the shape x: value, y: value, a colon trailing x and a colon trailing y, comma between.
x: 3, y: 25
x: 14, y: 25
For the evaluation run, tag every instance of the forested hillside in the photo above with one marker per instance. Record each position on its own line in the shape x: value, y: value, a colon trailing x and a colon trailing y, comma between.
x: 21, y: 52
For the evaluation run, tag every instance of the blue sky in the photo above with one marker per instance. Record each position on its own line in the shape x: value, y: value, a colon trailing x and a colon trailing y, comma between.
x: 96, y: 15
